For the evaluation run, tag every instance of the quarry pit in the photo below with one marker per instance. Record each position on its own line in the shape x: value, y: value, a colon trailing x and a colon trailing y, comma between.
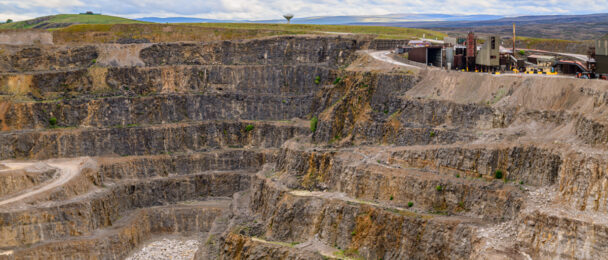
x: 292, y: 147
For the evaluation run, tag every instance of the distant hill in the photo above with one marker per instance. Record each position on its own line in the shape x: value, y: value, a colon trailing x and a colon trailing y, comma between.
x: 181, y: 20
x: 567, y: 27
x: 335, y: 20
x: 65, y: 20
x: 377, y: 19
x: 502, y: 21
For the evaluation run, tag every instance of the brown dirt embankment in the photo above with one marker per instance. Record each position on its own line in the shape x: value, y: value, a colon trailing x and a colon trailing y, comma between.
x: 22, y: 37
x: 510, y: 91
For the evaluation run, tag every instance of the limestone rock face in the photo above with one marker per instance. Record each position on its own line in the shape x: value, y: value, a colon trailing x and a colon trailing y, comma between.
x: 21, y: 59
x: 293, y: 147
x: 316, y: 50
x: 15, y: 180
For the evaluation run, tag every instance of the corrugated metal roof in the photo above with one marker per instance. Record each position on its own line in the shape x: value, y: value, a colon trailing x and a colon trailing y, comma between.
x: 541, y: 57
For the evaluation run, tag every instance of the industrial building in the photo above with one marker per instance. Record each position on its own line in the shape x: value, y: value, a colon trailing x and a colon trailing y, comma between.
x: 488, y: 56
x: 465, y: 54
x: 601, y: 56
x: 430, y: 56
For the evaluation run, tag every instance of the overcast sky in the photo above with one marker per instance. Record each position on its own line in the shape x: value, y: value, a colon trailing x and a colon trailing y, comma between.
x: 272, y: 9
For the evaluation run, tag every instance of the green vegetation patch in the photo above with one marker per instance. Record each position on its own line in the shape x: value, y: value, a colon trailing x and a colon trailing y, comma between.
x: 53, y: 121
x: 63, y: 20
x: 313, y: 124
x: 498, y: 174
x: 382, y: 32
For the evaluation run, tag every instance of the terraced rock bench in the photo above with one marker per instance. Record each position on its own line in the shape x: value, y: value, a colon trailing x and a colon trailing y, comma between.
x: 276, y: 148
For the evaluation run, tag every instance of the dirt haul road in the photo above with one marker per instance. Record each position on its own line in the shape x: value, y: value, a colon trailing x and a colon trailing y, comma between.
x: 68, y: 169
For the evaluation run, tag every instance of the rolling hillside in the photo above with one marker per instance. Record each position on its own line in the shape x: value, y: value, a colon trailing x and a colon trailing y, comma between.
x: 154, y: 32
x: 64, y: 20
x: 566, y: 27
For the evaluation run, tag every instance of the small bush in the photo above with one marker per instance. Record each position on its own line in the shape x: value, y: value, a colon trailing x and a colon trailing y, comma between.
x: 53, y: 121
x: 432, y: 134
x: 522, y: 52
x: 439, y: 188
x: 521, y: 182
x: 410, y: 204
x: 313, y: 124
x: 498, y: 174
x: 94, y: 61
x: 461, y: 204
x: 457, y: 175
x: 248, y: 128
x: 386, y: 111
x: 391, y: 198
x: 354, y: 233
x: 337, y: 80
x: 317, y: 80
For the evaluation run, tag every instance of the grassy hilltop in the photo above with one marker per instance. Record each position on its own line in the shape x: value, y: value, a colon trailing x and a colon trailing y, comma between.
x: 64, y: 20
x: 72, y: 28
x: 81, y: 27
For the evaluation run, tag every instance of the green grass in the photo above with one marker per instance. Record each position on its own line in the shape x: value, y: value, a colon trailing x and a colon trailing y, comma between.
x: 551, y: 44
x: 76, y: 28
x: 534, y: 41
x: 383, y: 32
x: 67, y: 19
x: 313, y: 124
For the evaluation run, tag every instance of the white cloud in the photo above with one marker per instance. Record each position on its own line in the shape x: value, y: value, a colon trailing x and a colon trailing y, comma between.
x: 273, y: 9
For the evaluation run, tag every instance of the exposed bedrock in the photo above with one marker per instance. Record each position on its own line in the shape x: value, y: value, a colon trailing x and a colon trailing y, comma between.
x: 123, y: 111
x: 368, y: 231
x: 34, y: 58
x: 288, y: 79
x: 287, y: 50
x: 82, y: 215
x: 332, y: 51
x: 583, y: 181
x: 274, y: 149
x: 527, y: 163
x: 361, y: 178
x: 13, y: 181
x: 128, y: 233
x: 150, y: 166
x: 156, y: 139
x: 556, y: 234
x: 592, y: 131
x: 373, y: 108
x: 241, y: 247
